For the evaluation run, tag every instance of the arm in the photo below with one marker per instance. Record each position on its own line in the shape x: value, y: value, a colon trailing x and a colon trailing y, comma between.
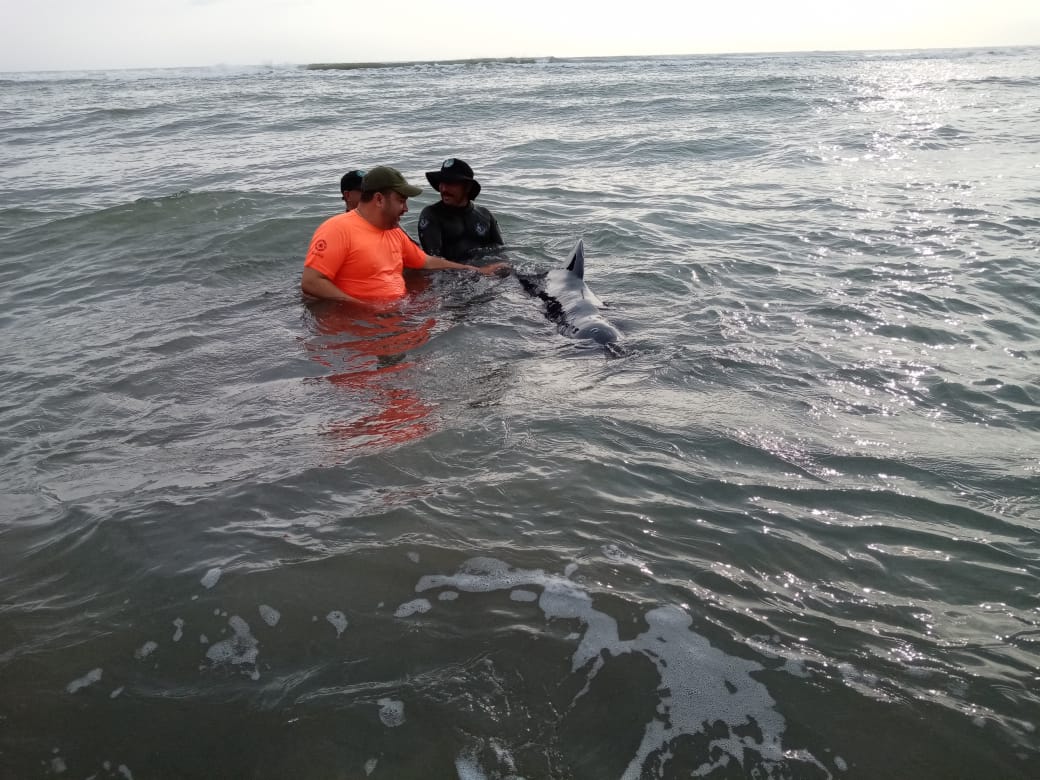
x: 430, y: 232
x: 434, y: 263
x: 494, y: 235
x: 318, y: 285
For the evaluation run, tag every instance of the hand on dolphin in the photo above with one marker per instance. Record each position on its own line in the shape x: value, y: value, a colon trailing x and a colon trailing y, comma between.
x: 495, y: 269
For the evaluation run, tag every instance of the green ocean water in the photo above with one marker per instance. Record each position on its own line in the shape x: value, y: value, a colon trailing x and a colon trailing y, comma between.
x: 792, y: 532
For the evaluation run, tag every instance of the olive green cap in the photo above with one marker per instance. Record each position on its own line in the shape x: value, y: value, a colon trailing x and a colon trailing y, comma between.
x: 383, y: 177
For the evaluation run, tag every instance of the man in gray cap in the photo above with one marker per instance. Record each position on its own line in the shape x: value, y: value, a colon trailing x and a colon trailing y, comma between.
x: 358, y: 256
x: 455, y: 227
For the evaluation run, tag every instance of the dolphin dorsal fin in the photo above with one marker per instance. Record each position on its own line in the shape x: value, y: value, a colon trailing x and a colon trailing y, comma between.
x: 577, y: 263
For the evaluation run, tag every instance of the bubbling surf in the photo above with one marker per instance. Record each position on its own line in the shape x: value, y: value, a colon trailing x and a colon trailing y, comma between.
x: 701, y: 688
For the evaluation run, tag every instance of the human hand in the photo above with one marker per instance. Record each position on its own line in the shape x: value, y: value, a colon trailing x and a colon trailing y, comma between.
x: 495, y: 269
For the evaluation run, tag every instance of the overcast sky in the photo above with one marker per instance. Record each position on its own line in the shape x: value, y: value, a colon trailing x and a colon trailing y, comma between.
x: 87, y: 34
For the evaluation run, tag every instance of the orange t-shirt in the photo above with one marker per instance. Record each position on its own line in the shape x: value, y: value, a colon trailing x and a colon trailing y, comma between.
x: 362, y: 260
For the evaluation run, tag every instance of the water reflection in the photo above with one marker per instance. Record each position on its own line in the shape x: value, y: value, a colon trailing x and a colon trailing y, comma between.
x: 368, y: 353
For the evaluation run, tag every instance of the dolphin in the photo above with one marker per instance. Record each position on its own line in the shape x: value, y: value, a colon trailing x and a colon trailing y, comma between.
x: 571, y: 304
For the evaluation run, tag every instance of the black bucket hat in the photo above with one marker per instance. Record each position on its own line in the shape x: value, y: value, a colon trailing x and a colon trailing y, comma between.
x: 454, y: 169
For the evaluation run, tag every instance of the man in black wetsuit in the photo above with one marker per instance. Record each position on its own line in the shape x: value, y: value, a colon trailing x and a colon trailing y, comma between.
x: 455, y: 227
x: 350, y: 186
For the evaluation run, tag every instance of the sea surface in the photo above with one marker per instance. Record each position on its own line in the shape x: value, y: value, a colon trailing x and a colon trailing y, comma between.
x: 790, y: 530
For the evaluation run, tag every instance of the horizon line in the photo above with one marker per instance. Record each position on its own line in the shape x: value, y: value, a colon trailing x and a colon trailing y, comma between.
x: 519, y: 59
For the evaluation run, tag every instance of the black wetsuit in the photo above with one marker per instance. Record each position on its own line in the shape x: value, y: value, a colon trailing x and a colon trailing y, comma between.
x: 456, y: 233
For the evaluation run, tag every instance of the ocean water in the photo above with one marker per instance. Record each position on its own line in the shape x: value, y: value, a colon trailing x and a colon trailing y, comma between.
x: 793, y: 531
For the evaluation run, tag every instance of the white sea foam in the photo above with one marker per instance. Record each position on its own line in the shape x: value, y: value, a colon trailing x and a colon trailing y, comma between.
x: 338, y: 621
x: 523, y: 595
x: 699, y: 683
x: 391, y: 712
x: 178, y: 629
x: 468, y: 764
x: 370, y: 765
x: 410, y: 608
x: 240, y: 649
x: 210, y: 578
x: 270, y: 615
x: 478, y: 575
x: 91, y: 677
x: 448, y: 595
x: 467, y: 768
x: 146, y: 650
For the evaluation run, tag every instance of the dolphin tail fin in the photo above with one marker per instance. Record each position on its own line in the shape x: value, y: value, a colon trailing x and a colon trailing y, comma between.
x: 577, y: 264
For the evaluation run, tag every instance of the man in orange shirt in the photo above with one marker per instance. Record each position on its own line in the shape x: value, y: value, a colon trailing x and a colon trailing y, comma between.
x: 358, y: 256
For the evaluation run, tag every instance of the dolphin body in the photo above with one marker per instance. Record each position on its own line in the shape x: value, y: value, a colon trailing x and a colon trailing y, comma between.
x: 571, y: 304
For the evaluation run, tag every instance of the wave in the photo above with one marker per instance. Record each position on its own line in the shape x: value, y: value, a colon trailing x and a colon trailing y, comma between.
x: 476, y: 61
